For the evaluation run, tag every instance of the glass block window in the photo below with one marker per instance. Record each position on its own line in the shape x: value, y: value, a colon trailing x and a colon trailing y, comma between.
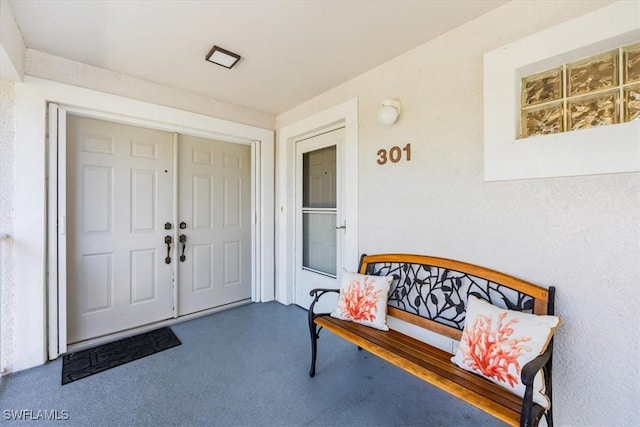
x: 603, y: 89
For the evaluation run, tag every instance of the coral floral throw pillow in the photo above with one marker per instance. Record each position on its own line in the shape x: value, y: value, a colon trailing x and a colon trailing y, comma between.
x: 496, y: 343
x: 363, y: 299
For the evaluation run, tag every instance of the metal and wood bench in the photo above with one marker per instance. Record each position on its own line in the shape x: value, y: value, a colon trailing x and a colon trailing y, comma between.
x: 431, y: 293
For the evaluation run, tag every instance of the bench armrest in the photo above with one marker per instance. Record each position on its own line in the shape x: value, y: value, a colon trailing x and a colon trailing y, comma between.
x: 531, y: 414
x: 312, y: 292
x: 317, y: 293
x: 531, y: 369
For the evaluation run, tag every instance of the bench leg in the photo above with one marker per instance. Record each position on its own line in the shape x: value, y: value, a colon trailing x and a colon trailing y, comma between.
x: 313, y: 331
x: 314, y: 351
x: 548, y: 414
x: 549, y: 390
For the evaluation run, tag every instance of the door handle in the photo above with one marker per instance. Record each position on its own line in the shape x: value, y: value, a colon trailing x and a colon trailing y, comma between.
x: 168, y: 240
x: 183, y: 240
x: 341, y: 227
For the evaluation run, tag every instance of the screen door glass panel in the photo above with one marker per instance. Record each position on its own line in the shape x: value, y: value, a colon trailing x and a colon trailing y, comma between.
x: 319, y: 210
x: 319, y: 242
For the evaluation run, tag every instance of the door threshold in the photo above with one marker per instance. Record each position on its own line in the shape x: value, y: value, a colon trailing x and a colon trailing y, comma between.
x: 83, y: 345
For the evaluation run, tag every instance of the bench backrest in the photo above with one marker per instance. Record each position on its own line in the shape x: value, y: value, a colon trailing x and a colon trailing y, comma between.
x: 432, y: 292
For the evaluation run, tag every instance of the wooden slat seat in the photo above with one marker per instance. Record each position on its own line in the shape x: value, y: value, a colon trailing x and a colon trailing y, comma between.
x: 429, y: 363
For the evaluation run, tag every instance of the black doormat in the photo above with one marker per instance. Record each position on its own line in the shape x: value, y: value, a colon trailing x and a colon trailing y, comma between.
x: 84, y: 363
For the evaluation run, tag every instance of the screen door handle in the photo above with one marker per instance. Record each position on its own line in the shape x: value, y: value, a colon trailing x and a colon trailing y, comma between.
x: 341, y: 227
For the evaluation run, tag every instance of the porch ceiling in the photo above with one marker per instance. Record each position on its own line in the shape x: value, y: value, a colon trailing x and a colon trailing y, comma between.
x: 291, y: 50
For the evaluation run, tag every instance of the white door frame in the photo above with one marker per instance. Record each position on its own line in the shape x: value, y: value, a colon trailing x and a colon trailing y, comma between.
x: 33, y: 255
x: 345, y: 114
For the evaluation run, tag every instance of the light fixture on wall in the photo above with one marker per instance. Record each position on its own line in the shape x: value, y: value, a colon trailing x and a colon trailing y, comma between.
x: 389, y: 112
x: 222, y: 57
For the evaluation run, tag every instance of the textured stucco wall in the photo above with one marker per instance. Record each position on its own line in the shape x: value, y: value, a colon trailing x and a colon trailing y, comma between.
x: 581, y: 234
x: 7, y: 143
x: 50, y: 67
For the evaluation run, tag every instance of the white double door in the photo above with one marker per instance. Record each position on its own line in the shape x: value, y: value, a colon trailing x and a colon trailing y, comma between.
x: 158, y: 226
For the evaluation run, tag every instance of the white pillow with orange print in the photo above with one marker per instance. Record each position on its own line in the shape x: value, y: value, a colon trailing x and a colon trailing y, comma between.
x: 496, y: 343
x: 363, y: 299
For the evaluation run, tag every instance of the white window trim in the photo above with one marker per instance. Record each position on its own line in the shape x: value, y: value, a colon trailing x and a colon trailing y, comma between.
x: 30, y: 229
x: 345, y: 114
x: 600, y: 150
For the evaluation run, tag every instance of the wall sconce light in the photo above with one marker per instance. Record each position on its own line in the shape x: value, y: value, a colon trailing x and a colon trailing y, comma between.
x: 389, y: 112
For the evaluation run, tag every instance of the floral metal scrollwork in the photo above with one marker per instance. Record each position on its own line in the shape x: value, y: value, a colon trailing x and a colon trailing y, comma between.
x: 440, y: 294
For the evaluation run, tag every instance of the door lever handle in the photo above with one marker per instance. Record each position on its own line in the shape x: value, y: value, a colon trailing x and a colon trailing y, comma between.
x: 341, y: 227
x: 167, y: 241
x: 183, y: 240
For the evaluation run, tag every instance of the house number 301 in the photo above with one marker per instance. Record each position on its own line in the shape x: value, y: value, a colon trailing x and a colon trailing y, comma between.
x: 394, y: 154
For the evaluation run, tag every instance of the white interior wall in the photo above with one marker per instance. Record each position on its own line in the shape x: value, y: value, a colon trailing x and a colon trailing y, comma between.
x: 11, y: 70
x: 580, y: 234
x: 7, y: 143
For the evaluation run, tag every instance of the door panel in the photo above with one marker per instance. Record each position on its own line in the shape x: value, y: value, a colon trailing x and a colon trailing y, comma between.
x: 215, y: 204
x: 98, y: 271
x: 119, y: 195
x: 143, y: 277
x: 319, y: 217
